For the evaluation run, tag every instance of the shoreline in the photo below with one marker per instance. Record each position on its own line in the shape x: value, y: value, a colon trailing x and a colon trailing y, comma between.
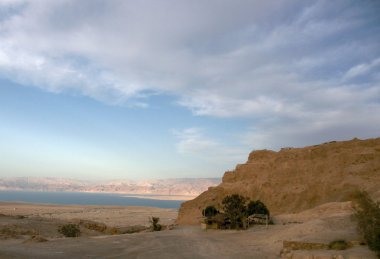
x: 151, y: 196
x: 161, y: 197
x: 42, y: 204
x: 93, y: 199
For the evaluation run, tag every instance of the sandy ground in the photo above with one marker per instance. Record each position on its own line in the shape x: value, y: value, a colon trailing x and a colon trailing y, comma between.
x: 110, y: 215
x: 323, y: 224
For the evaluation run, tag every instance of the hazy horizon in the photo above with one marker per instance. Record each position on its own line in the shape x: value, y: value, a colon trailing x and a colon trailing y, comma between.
x: 180, y: 89
x: 97, y: 180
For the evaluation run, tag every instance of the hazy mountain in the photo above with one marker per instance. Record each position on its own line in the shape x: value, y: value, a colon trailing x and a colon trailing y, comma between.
x: 176, y: 186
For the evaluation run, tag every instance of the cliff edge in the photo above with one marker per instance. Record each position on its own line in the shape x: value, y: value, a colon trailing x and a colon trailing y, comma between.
x: 295, y: 179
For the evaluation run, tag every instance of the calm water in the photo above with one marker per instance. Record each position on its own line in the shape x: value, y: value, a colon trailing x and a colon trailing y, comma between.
x: 84, y: 199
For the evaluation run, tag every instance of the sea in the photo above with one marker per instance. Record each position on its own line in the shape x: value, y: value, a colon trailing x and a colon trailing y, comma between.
x: 80, y: 198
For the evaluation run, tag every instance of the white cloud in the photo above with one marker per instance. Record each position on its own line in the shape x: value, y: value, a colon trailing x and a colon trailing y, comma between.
x: 362, y: 69
x: 288, y: 62
x: 192, y: 141
x: 315, y: 128
x: 10, y: 3
x: 221, y: 106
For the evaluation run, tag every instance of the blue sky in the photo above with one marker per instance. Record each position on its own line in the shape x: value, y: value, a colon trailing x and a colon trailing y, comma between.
x: 159, y: 89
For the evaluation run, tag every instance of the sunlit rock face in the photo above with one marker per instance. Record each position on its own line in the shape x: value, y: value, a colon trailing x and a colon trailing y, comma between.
x: 295, y: 179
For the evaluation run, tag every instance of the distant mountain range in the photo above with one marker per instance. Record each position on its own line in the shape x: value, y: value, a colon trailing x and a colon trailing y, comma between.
x: 175, y: 186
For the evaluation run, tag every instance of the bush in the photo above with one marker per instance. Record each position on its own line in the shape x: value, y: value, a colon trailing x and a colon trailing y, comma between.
x: 93, y: 225
x: 210, y: 211
x: 112, y: 231
x: 69, y: 230
x: 257, y: 207
x: 339, y: 245
x: 235, y: 209
x: 154, y: 223
x: 14, y: 231
x: 367, y: 215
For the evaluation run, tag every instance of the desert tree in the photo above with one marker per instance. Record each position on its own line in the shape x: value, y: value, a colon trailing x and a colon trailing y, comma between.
x: 257, y: 207
x: 210, y: 211
x: 235, y: 209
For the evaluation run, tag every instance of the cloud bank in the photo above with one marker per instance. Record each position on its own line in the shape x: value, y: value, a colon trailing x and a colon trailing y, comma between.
x: 300, y: 71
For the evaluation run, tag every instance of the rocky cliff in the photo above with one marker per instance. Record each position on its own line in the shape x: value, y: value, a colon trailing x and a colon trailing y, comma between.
x: 295, y: 179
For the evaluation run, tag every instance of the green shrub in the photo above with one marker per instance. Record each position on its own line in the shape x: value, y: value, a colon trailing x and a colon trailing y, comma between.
x: 154, y: 223
x: 210, y: 211
x: 235, y: 209
x: 339, y: 245
x: 367, y: 215
x: 257, y: 207
x: 69, y: 230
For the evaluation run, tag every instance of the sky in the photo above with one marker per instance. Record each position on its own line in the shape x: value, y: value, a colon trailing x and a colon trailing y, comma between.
x: 147, y: 89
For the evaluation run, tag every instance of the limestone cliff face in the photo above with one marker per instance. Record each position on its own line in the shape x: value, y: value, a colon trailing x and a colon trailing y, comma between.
x: 295, y: 179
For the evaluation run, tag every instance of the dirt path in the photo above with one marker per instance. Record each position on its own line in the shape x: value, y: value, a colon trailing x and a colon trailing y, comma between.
x: 184, y: 242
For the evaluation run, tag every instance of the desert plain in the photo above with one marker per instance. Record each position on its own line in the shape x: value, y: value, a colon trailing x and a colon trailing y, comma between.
x: 30, y: 231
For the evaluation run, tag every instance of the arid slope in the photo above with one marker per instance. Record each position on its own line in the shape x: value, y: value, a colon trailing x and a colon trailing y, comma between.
x: 296, y: 179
